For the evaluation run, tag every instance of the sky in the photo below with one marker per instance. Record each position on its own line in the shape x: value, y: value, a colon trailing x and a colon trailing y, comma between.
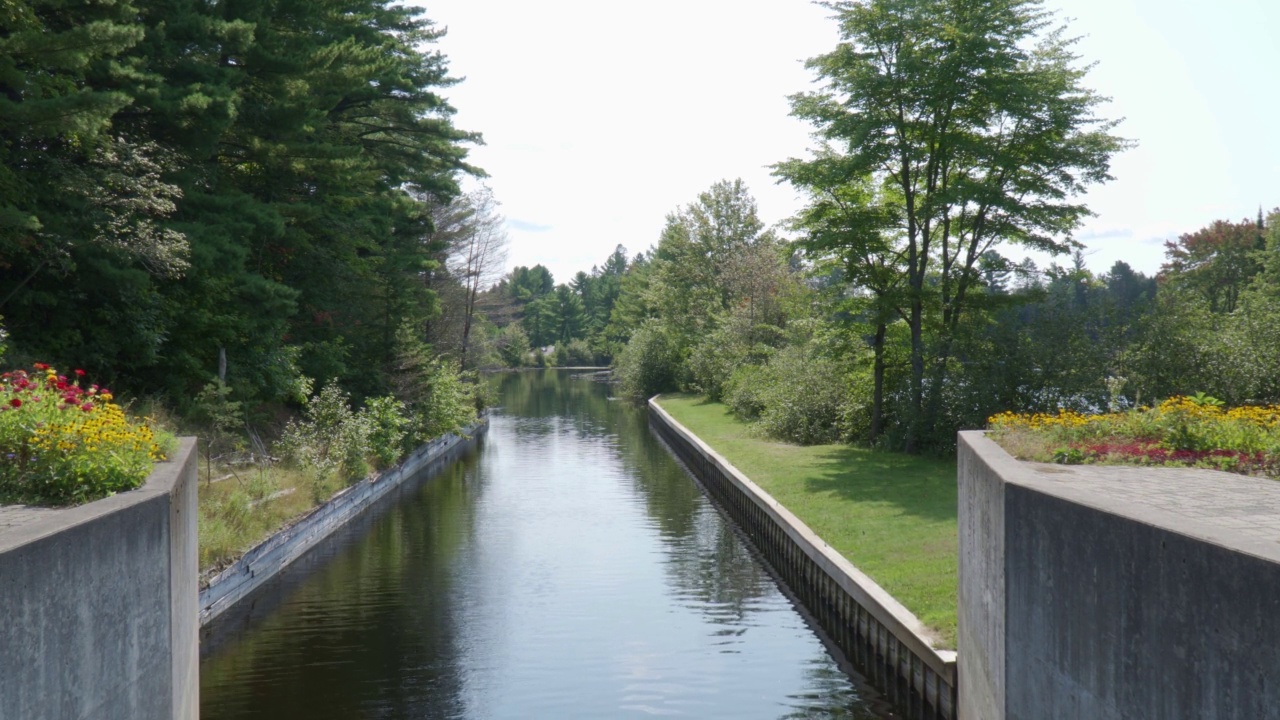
x: 600, y: 118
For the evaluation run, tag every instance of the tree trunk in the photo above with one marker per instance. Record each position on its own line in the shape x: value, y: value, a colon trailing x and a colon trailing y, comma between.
x: 877, y: 393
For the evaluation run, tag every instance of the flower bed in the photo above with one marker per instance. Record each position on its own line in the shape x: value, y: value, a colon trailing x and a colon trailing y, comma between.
x: 1181, y: 431
x: 62, y: 443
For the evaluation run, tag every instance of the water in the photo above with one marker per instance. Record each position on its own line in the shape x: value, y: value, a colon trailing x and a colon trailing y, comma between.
x: 567, y: 569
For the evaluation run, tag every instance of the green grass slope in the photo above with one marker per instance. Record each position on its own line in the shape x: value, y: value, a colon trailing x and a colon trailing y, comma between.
x: 891, y: 515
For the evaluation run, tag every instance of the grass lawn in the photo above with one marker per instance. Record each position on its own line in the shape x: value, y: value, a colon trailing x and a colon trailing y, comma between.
x: 891, y: 515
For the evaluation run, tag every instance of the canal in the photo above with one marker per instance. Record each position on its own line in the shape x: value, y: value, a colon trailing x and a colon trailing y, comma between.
x: 568, y: 568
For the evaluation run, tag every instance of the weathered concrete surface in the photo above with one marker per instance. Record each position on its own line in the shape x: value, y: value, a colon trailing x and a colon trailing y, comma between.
x: 1127, y: 592
x: 268, y: 558
x: 980, y: 630
x: 97, y: 604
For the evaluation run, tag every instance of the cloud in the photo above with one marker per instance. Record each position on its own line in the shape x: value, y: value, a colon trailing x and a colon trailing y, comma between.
x: 1105, y: 234
x: 526, y: 226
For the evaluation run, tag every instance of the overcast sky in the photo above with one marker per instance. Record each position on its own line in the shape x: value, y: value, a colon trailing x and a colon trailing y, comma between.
x: 600, y: 118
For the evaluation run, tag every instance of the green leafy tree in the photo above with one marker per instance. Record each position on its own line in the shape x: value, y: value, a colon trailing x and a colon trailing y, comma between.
x: 973, y: 118
x: 1216, y: 262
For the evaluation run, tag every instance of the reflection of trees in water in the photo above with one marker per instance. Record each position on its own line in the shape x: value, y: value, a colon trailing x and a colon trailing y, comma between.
x: 371, y: 634
x: 556, y: 394
x: 709, y: 566
x: 829, y: 696
x: 379, y: 630
x: 715, y: 572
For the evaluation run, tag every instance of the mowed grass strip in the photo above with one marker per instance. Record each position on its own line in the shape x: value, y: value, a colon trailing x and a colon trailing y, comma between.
x: 891, y: 515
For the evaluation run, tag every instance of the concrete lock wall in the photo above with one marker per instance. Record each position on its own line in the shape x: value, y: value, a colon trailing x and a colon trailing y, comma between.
x: 98, y: 604
x: 883, y: 641
x: 1115, y: 592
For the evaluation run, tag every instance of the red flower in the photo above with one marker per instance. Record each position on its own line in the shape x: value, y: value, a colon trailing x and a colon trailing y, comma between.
x: 87, y: 407
x: 79, y: 373
x: 15, y: 402
x: 41, y: 366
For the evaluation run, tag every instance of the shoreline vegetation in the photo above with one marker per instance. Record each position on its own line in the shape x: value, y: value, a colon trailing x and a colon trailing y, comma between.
x: 892, y: 515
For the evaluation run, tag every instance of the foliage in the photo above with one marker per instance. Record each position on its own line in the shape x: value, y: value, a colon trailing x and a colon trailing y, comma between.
x: 1215, y: 262
x: 650, y: 363
x: 801, y: 396
x: 1197, y: 431
x: 968, y: 126
x: 575, y: 354
x: 436, y: 396
x: 221, y: 418
x: 743, y: 392
x: 513, y: 345
x: 387, y: 429
x: 246, y: 181
x: 736, y: 342
x: 63, y: 443
x: 330, y: 441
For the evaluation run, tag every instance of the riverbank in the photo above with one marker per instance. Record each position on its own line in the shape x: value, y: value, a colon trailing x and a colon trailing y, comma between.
x: 891, y: 515
x: 293, y: 540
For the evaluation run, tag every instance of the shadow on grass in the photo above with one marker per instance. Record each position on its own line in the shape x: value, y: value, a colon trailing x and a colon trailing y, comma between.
x: 922, y: 487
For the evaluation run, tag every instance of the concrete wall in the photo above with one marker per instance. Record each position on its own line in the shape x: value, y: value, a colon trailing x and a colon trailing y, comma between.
x: 1095, y: 592
x: 277, y: 552
x: 97, y: 604
x: 883, y: 640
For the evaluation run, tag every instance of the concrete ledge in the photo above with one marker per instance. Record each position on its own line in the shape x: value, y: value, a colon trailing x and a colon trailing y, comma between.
x: 884, y: 640
x: 277, y: 552
x: 97, y: 603
x: 1115, y: 592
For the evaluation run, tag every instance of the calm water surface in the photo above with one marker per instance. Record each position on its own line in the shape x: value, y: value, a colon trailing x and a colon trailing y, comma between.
x: 567, y: 569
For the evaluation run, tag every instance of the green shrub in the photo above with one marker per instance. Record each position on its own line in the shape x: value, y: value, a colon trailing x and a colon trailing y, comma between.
x: 446, y: 402
x: 650, y: 362
x: 804, y: 397
x: 387, y: 429
x: 331, y: 440
x: 513, y: 345
x: 576, y: 354
x: 438, y: 397
x: 742, y: 392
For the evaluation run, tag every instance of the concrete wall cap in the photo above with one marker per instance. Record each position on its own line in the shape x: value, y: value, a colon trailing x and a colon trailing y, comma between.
x: 1234, y: 511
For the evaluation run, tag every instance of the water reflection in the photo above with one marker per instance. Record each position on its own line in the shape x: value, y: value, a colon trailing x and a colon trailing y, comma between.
x: 570, y: 569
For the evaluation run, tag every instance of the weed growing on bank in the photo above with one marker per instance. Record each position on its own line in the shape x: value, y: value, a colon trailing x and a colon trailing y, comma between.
x: 1196, y: 431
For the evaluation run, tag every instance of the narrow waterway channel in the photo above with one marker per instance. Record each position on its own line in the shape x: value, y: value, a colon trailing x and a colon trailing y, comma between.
x: 569, y: 568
